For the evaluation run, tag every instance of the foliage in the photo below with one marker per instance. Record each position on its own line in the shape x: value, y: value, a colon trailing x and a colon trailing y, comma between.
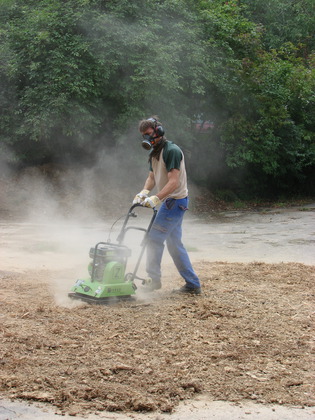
x: 274, y: 127
x: 284, y: 21
x: 77, y: 75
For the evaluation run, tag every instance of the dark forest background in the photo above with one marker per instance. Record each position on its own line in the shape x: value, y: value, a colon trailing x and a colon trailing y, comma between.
x: 233, y: 83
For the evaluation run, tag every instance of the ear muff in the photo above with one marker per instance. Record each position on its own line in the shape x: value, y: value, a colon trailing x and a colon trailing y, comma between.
x: 158, y: 129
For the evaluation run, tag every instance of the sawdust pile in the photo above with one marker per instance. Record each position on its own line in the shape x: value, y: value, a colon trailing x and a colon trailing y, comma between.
x: 248, y: 337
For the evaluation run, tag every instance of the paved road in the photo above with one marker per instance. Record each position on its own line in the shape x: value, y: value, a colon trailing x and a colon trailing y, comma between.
x: 272, y: 236
x: 196, y: 410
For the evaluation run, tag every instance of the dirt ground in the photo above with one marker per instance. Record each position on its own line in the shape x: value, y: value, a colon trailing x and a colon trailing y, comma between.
x: 249, y: 336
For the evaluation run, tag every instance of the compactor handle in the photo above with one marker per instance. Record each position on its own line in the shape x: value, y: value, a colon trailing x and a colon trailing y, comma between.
x: 132, y: 214
x: 140, y: 205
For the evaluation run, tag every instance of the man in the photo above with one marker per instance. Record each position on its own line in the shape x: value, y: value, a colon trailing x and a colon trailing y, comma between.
x: 168, y: 174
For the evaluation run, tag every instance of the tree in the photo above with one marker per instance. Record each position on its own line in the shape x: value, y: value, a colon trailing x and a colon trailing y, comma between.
x: 81, y: 68
x: 274, y: 127
x: 266, y: 122
x: 76, y: 75
x: 284, y: 21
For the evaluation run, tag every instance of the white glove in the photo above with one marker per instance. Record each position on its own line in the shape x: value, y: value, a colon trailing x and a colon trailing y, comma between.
x: 139, y: 198
x: 152, y: 201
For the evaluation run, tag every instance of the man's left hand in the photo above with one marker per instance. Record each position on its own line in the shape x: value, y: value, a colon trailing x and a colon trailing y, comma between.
x: 151, y: 202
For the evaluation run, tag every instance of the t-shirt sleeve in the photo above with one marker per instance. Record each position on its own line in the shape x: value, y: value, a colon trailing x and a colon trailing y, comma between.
x: 172, y: 159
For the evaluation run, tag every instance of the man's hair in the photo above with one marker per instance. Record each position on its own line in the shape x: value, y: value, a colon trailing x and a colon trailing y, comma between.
x: 153, y: 122
x: 147, y: 123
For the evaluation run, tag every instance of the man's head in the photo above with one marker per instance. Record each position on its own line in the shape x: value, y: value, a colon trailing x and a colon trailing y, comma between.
x: 152, y: 132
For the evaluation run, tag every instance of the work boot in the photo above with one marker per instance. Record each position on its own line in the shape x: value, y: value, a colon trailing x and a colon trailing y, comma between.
x: 150, y: 285
x: 186, y: 290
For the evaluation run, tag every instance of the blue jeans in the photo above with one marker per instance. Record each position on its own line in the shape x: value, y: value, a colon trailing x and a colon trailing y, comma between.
x: 168, y: 227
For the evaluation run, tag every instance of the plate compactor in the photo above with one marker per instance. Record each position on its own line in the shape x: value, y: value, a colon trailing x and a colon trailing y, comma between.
x: 107, y: 278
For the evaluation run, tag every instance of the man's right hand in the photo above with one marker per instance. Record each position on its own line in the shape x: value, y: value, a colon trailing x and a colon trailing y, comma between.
x: 140, y: 197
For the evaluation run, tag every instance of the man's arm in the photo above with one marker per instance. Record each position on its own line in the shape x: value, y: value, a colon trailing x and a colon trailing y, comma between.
x: 148, y: 186
x: 150, y: 182
x: 171, y: 185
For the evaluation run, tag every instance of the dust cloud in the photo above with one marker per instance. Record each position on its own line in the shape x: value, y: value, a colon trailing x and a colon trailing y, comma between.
x: 52, y: 215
